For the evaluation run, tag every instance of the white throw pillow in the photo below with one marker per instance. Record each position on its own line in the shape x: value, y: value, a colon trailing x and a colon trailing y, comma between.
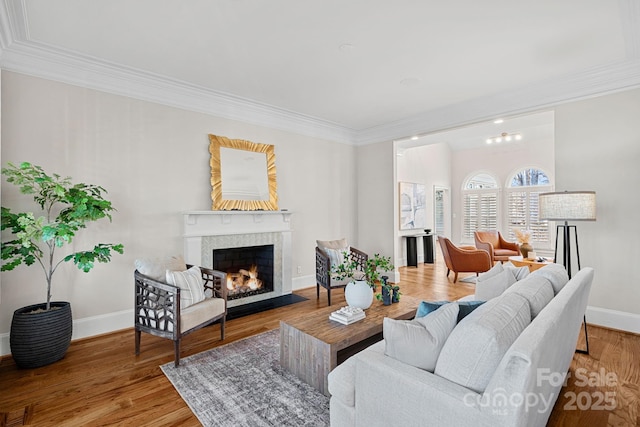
x: 518, y: 272
x: 494, y: 285
x: 336, y: 256
x: 418, y: 342
x: 156, y: 267
x: 479, y: 342
x: 190, y: 283
x: 496, y: 269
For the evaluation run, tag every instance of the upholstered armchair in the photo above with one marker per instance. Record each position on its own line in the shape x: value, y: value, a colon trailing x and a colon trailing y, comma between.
x: 494, y: 243
x: 193, y: 299
x: 329, y: 253
x: 463, y: 259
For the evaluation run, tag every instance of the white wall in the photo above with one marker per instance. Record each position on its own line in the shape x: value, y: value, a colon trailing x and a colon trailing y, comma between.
x: 501, y: 161
x: 429, y: 165
x: 154, y: 161
x: 598, y: 148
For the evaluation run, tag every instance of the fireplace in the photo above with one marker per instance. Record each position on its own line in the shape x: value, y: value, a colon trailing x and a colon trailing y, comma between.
x: 206, y: 232
x: 249, y: 269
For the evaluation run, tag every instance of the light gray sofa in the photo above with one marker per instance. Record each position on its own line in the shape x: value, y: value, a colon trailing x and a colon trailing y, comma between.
x: 372, y: 389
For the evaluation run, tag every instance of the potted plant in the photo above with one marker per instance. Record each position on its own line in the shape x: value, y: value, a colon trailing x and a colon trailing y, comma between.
x: 41, y: 333
x: 364, y: 279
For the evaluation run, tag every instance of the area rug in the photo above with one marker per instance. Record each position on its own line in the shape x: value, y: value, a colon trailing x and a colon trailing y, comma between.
x: 242, y: 384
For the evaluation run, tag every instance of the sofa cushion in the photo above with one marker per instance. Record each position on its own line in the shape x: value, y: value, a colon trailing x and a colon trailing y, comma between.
x: 156, y: 268
x: 493, y: 285
x: 418, y: 342
x: 190, y: 284
x: 537, y: 290
x: 556, y: 274
x: 475, y: 347
x: 464, y: 307
x: 342, y: 380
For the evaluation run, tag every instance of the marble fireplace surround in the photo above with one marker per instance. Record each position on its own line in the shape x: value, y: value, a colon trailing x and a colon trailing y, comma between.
x: 205, y: 231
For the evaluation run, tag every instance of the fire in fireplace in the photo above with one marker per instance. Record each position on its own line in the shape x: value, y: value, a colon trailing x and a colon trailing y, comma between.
x: 249, y: 269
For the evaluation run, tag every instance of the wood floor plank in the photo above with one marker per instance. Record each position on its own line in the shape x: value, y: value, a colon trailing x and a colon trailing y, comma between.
x: 101, y: 381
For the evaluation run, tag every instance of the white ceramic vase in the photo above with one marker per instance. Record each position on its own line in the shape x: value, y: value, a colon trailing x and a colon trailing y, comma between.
x: 359, y: 294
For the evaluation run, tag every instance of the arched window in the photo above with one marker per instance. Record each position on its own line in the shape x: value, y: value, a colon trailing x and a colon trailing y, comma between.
x: 479, y: 204
x: 522, y: 205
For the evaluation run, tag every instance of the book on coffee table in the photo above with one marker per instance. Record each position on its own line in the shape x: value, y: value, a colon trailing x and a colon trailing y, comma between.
x: 347, y: 315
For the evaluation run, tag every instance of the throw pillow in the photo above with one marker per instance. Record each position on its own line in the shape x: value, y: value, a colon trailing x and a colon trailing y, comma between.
x: 156, y: 267
x: 336, y: 256
x: 494, y: 285
x: 519, y: 272
x: 477, y: 345
x: 496, y: 269
x: 332, y: 244
x: 418, y: 342
x: 464, y: 308
x: 190, y: 283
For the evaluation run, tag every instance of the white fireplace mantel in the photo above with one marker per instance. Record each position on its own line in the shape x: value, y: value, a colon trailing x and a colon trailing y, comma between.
x: 207, y: 230
x: 235, y: 222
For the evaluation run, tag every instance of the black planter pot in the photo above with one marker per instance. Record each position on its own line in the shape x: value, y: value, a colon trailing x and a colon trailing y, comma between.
x: 386, y: 296
x: 39, y: 339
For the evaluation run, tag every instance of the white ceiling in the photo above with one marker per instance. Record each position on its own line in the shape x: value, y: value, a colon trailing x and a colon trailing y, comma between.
x: 357, y: 71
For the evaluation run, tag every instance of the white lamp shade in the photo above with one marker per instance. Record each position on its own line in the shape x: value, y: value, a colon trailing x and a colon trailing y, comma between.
x: 568, y: 206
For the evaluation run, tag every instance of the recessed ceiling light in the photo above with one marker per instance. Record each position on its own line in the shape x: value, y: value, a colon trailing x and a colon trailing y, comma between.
x: 414, y: 138
x: 410, y: 82
x: 498, y: 121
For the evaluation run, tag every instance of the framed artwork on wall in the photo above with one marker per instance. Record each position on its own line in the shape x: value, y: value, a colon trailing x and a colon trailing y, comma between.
x: 412, y: 206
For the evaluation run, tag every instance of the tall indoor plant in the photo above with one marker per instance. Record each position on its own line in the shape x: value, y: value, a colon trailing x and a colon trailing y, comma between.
x: 41, y: 333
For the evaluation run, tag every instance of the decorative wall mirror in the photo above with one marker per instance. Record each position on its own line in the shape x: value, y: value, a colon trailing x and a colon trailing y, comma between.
x: 243, y: 175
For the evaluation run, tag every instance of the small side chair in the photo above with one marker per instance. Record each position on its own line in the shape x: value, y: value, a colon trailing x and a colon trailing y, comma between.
x: 329, y: 253
x: 158, y: 308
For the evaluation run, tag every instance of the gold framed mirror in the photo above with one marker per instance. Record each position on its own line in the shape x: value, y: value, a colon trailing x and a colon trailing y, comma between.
x: 243, y: 175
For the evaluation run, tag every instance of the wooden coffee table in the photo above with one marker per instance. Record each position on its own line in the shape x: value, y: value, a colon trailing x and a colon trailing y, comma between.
x: 311, y: 346
x: 533, y: 265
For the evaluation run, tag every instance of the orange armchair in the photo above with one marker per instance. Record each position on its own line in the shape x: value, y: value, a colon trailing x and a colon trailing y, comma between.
x: 494, y: 243
x: 464, y: 259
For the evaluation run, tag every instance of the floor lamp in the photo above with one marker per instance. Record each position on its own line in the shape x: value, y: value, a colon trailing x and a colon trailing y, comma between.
x: 569, y: 206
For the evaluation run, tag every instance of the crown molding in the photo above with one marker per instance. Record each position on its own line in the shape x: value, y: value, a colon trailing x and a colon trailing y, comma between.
x: 545, y: 94
x: 19, y: 54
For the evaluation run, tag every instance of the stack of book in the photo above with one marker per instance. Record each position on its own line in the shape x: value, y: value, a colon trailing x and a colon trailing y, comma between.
x: 347, y: 315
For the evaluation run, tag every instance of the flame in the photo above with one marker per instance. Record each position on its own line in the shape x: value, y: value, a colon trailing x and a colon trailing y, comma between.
x: 244, y: 280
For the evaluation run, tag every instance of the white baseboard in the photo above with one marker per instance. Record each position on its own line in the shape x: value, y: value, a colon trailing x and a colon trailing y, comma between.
x: 303, y: 282
x: 87, y: 327
x: 613, y: 319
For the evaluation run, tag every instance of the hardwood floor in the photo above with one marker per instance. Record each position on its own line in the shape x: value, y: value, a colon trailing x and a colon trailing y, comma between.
x: 102, y: 382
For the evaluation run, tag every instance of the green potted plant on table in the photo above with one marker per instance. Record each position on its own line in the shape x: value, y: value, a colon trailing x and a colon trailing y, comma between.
x: 41, y: 333
x: 364, y: 278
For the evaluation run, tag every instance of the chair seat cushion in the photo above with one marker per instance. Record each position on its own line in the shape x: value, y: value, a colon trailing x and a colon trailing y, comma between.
x: 201, y: 312
x: 506, y: 253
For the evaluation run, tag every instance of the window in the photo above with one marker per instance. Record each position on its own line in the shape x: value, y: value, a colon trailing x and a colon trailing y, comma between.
x: 522, y: 205
x: 480, y: 205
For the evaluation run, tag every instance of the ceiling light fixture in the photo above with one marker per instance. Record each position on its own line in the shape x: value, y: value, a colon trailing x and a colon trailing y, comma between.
x: 504, y: 136
x: 498, y: 121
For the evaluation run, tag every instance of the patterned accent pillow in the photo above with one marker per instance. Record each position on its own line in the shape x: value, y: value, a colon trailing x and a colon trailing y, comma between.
x: 190, y: 284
